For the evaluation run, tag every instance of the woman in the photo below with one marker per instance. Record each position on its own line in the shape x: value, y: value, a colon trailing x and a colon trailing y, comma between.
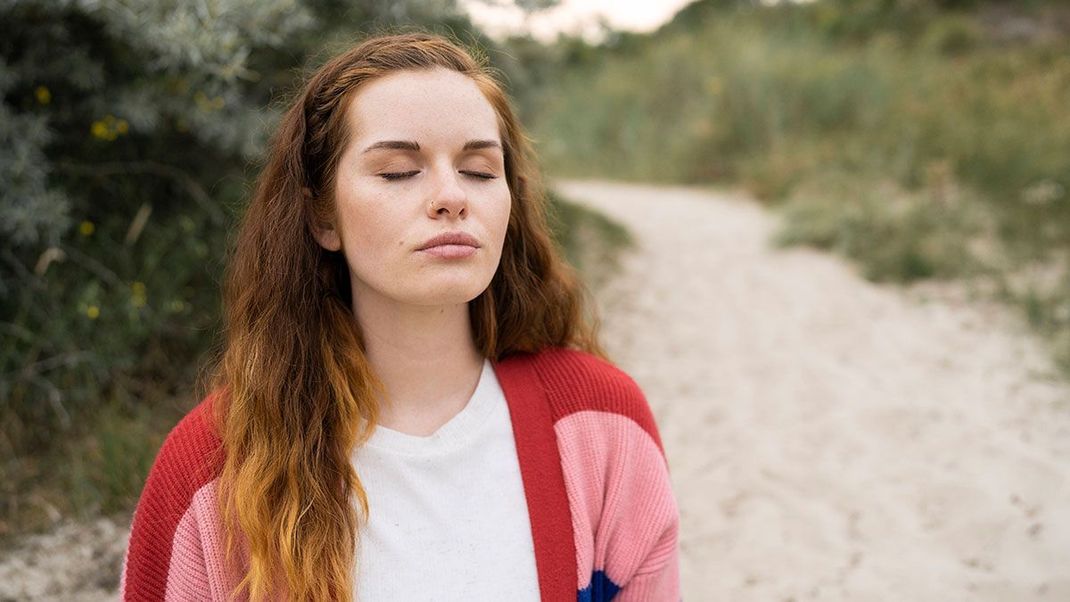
x: 408, y: 405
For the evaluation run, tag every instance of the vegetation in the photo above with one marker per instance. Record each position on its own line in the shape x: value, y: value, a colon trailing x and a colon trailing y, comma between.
x: 589, y: 240
x: 923, y: 139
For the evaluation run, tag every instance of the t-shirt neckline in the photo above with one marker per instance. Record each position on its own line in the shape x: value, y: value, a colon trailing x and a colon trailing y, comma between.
x: 458, y: 429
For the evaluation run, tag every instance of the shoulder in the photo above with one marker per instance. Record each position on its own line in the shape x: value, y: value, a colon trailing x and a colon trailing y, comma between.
x: 190, y: 457
x: 580, y: 382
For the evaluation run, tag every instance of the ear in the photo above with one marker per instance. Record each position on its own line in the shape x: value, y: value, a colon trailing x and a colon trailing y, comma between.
x: 325, y: 233
x: 328, y: 238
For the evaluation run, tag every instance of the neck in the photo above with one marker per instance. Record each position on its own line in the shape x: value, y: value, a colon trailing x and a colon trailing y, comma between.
x: 426, y: 358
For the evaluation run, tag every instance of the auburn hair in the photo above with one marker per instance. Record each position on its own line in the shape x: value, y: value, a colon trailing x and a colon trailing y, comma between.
x: 297, y: 394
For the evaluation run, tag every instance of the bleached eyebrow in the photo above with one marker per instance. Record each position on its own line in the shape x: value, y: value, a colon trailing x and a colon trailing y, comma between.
x: 414, y: 146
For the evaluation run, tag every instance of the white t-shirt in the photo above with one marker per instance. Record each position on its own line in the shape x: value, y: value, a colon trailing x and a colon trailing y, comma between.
x: 448, y: 518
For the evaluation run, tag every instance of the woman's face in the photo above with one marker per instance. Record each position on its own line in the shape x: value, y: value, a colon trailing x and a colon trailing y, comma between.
x: 424, y: 158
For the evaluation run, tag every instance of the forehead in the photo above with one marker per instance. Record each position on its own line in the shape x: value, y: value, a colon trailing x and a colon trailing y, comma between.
x: 430, y: 104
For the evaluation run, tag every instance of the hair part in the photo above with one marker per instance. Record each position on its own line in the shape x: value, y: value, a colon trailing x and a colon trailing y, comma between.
x: 298, y: 394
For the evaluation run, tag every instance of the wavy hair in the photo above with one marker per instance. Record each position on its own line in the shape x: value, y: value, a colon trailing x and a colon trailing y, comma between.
x: 297, y: 392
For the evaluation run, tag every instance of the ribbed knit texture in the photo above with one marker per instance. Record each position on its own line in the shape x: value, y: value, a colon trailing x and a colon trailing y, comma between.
x: 603, y: 517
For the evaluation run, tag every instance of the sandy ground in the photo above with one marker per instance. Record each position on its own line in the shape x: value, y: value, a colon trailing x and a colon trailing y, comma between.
x: 828, y: 439
x: 73, y: 563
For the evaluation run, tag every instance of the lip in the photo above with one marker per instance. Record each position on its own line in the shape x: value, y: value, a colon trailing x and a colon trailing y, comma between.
x: 450, y: 238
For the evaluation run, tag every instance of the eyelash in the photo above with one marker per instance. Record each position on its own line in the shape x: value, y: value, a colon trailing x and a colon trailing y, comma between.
x: 405, y: 174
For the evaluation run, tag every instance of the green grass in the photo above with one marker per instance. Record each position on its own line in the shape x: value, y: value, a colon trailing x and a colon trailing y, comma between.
x: 895, y: 235
x: 101, y: 473
x: 591, y: 242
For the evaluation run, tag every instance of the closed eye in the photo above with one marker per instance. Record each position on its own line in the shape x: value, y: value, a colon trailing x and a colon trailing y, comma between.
x: 405, y: 174
x: 398, y: 175
x: 480, y: 175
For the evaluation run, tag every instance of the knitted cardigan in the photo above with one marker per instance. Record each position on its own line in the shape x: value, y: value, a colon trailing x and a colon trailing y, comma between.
x: 604, y: 521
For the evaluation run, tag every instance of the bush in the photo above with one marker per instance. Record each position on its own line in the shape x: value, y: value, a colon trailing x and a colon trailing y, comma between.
x: 895, y: 235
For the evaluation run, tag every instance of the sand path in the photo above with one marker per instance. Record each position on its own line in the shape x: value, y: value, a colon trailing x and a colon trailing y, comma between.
x: 828, y: 438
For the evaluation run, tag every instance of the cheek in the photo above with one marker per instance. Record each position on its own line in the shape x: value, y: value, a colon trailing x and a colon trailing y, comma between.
x: 501, y: 215
x: 367, y: 228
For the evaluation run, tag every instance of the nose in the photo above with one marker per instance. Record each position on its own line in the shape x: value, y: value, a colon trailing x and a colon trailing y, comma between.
x: 449, y: 195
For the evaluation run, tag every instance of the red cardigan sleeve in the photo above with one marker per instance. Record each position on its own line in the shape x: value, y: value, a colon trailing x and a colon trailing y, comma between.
x: 188, y: 459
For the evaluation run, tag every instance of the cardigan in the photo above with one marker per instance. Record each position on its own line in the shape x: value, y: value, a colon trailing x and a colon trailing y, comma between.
x: 604, y: 520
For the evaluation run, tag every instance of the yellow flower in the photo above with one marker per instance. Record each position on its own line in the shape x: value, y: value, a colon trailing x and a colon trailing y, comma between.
x: 86, y: 228
x: 137, y: 291
x: 99, y: 130
x: 109, y: 128
x: 93, y: 312
x: 43, y: 95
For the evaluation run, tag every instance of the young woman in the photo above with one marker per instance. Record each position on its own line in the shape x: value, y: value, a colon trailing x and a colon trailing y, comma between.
x: 408, y: 404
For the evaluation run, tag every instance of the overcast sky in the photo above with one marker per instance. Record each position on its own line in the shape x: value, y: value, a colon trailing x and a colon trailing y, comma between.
x: 575, y: 16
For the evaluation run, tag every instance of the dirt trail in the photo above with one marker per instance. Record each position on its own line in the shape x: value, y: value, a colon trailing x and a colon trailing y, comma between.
x: 830, y: 439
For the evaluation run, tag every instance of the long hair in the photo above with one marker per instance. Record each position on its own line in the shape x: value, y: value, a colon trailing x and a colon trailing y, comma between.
x: 297, y: 391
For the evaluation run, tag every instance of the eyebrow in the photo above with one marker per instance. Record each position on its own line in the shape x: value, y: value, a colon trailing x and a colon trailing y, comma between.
x: 413, y: 146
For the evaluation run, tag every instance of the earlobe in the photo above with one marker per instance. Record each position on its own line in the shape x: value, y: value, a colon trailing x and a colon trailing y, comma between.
x: 328, y: 239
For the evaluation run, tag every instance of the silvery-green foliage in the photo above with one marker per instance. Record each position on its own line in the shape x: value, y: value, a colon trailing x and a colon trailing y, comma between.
x: 200, y: 52
x: 32, y: 211
x: 192, y: 69
x: 214, y: 37
x: 125, y: 128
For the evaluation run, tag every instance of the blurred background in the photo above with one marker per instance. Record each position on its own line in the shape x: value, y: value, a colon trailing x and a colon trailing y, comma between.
x: 920, y: 141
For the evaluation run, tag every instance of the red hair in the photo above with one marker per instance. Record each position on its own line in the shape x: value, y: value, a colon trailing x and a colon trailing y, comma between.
x: 299, y: 391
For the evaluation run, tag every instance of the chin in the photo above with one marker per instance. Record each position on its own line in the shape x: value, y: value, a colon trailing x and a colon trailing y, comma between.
x: 454, y: 293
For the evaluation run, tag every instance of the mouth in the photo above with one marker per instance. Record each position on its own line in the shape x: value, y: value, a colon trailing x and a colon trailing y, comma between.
x: 450, y: 251
x: 450, y: 239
